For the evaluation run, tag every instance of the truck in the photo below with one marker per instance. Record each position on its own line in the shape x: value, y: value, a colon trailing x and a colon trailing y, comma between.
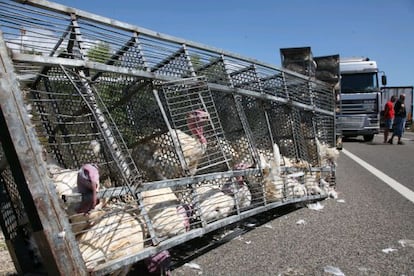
x: 359, y: 101
x: 388, y: 91
x: 355, y: 82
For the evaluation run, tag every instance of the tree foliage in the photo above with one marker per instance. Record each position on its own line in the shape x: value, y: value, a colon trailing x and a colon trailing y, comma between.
x: 100, y: 52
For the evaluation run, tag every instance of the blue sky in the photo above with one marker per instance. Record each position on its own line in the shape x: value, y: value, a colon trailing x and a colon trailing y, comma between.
x: 382, y: 30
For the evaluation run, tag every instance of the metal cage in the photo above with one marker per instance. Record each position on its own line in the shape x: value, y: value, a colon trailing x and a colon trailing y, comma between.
x: 184, y: 136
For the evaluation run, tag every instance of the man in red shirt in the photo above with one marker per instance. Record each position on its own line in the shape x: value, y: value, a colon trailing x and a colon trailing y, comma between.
x: 388, y: 117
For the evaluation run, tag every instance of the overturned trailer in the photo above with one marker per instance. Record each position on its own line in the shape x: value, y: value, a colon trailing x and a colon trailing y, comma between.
x: 78, y: 88
x: 323, y: 68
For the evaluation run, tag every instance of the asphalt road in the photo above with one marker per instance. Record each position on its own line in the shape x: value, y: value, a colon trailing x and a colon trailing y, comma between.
x: 368, y: 230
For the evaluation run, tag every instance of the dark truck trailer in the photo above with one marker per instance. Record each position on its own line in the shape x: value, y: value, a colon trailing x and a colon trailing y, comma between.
x: 323, y: 68
x: 387, y: 92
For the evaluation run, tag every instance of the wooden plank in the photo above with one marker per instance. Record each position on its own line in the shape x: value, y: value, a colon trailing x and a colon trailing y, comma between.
x: 48, y: 220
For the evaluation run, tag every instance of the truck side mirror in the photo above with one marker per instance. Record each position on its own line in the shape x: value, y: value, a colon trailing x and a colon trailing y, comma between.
x: 384, y: 80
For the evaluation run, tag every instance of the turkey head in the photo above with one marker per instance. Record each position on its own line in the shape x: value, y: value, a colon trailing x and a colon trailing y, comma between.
x: 88, y: 185
x: 195, y: 122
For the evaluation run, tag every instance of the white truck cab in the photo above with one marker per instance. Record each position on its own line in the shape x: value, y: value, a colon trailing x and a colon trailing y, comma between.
x: 359, y: 99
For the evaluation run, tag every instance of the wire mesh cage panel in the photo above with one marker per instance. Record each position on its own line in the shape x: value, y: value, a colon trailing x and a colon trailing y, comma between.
x: 211, y: 66
x: 239, y: 145
x: 274, y: 85
x: 174, y: 139
x: 71, y: 123
x: 11, y: 211
x: 191, y: 104
x: 299, y: 90
x: 235, y: 143
x: 324, y: 130
x: 281, y: 117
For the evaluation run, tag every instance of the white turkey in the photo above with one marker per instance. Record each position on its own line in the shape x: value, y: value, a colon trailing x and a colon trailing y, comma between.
x: 293, y: 186
x: 312, y: 183
x: 69, y: 183
x: 240, y: 189
x: 168, y: 217
x: 328, y: 155
x: 213, y: 204
x: 154, y: 156
x: 116, y: 235
x: 272, y: 181
x: 104, y: 231
x: 317, y: 183
x: 84, y: 210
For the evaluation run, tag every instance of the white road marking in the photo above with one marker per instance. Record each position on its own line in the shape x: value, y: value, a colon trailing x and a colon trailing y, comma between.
x: 404, y: 191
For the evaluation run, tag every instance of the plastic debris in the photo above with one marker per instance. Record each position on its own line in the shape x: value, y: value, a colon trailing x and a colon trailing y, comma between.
x: 193, y: 266
x: 268, y: 226
x: 333, y: 194
x: 295, y: 175
x: 389, y: 250
x: 315, y: 206
x: 301, y: 221
x: 404, y: 243
x: 225, y: 233
x: 340, y: 200
x: 248, y: 242
x: 29, y: 109
x: 333, y: 270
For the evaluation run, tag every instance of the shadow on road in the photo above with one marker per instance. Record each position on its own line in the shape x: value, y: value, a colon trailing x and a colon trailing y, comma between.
x: 191, y: 250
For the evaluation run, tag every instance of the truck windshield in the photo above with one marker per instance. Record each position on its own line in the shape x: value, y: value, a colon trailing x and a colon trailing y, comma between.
x: 366, y: 82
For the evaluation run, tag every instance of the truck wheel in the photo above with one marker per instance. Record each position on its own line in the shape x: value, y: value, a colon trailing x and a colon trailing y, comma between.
x: 339, y: 142
x: 368, y: 138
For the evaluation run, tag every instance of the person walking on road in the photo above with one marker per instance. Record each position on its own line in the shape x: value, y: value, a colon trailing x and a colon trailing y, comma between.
x: 399, y: 119
x: 389, y: 116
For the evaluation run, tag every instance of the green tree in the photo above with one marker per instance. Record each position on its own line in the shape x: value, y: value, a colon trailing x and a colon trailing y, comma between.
x: 100, y: 52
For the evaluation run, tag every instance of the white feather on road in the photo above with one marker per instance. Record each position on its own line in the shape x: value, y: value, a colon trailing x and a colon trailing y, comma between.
x: 301, y: 222
x: 388, y: 250
x: 193, y: 266
x: 315, y: 206
x: 406, y: 242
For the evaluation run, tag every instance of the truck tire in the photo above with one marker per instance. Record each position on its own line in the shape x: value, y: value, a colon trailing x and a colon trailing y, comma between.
x: 368, y: 138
